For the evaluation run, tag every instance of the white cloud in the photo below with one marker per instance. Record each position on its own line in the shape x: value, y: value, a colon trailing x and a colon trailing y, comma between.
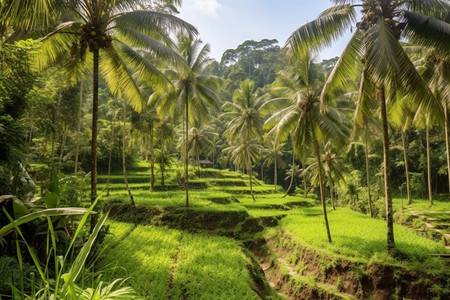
x: 208, y: 7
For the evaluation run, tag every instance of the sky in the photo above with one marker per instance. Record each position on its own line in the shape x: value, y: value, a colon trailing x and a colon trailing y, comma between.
x: 225, y: 24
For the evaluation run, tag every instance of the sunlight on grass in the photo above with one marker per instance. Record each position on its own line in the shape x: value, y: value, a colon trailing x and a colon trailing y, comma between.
x: 211, y: 267
x: 422, y: 204
x: 171, y: 264
x: 357, y: 235
x: 146, y: 256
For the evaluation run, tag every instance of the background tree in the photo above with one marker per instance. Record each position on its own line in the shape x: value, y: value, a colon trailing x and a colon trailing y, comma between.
x: 376, y: 45
x: 191, y: 88
x: 302, y: 117
x: 245, y: 125
x: 103, y: 30
x: 274, y: 156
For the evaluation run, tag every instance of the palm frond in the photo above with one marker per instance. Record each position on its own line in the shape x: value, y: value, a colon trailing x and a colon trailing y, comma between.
x: 146, y: 71
x: 345, y: 67
x: 149, y: 44
x: 321, y: 32
x: 427, y: 31
x: 119, y: 79
x: 147, y: 22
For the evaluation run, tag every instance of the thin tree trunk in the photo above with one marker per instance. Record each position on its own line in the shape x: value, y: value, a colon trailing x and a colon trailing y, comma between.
x: 430, y: 191
x: 62, y: 148
x: 387, y: 174
x: 292, y: 174
x: 369, y: 194
x: 111, y: 145
x: 250, y: 169
x: 152, y: 160
x: 162, y: 173
x: 332, y: 192
x: 405, y: 158
x: 94, y: 136
x: 77, y: 139
x: 305, y: 191
x: 275, y: 175
x: 124, y: 166
x: 186, y: 152
x: 322, y: 198
x: 146, y: 143
x: 447, y: 144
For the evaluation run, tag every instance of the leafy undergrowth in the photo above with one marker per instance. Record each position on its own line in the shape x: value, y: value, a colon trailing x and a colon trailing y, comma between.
x: 173, y: 264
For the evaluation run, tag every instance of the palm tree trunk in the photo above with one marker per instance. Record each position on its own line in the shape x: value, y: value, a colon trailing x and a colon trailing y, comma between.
x: 63, y: 146
x: 250, y: 169
x: 77, y: 139
x: 319, y: 164
x: 447, y: 144
x: 387, y: 174
x: 405, y: 158
x: 332, y: 192
x: 186, y: 152
x: 275, y: 175
x: 111, y: 145
x: 369, y: 194
x: 292, y: 174
x: 94, y: 136
x: 430, y: 191
x: 124, y: 166
x: 152, y: 160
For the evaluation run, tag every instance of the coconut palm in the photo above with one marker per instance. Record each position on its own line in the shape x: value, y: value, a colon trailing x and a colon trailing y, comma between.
x: 244, y: 154
x: 334, y: 170
x: 244, y: 113
x: 376, y: 47
x: 274, y: 156
x: 26, y: 14
x: 101, y: 32
x: 434, y: 66
x: 191, y: 88
x: 245, y: 126
x: 293, y: 172
x: 200, y: 141
x: 303, y: 119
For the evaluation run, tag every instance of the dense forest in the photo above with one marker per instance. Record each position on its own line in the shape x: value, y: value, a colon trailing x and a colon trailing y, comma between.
x: 114, y: 121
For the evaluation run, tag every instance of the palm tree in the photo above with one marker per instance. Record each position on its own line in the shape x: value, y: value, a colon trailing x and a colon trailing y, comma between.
x: 146, y: 124
x: 100, y: 31
x: 245, y: 154
x: 23, y: 15
x: 191, y: 88
x: 200, y: 141
x: 124, y: 165
x: 293, y: 172
x: 375, y: 46
x: 402, y: 118
x: 244, y: 113
x: 165, y: 134
x: 434, y: 66
x: 245, y: 126
x: 274, y: 156
x: 303, y: 119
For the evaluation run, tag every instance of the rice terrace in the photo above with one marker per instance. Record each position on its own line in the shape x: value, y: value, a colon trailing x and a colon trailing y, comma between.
x: 136, y: 165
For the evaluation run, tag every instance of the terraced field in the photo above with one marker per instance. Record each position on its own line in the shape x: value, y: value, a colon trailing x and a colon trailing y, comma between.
x: 227, y: 246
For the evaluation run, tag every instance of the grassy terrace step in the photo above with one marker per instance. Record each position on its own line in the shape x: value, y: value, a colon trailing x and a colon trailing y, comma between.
x: 171, y: 264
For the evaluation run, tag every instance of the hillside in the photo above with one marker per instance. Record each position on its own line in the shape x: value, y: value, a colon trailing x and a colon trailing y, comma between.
x: 227, y: 246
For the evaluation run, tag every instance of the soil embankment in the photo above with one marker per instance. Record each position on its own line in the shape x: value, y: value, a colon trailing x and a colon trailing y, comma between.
x: 294, y: 271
